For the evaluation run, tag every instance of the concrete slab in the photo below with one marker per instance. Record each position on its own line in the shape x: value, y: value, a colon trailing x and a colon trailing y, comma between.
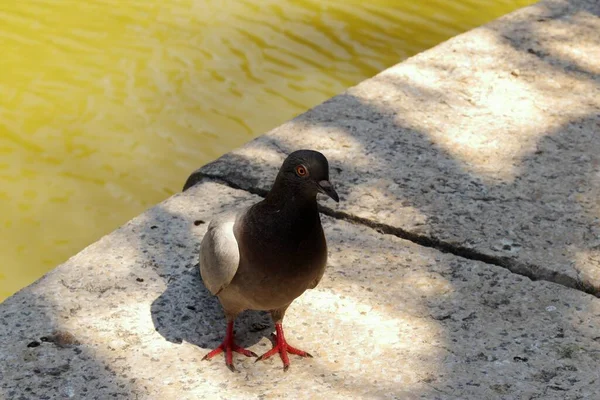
x: 487, y: 144
x: 390, y: 319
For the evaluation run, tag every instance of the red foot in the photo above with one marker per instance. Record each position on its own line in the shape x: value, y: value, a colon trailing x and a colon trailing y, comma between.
x: 228, y: 346
x: 282, y: 347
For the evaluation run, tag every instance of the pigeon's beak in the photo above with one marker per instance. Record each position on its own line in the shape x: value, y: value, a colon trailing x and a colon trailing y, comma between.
x: 327, y: 188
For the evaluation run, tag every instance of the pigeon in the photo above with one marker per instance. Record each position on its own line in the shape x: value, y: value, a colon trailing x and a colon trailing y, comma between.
x: 265, y: 256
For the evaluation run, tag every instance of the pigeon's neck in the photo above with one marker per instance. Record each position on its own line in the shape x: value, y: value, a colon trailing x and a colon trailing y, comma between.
x: 285, y: 197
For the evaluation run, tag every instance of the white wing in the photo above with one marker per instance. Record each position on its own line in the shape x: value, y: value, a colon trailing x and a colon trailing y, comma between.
x: 219, y: 253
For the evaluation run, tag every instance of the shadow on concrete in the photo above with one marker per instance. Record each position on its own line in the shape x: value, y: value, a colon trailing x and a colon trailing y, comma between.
x: 187, y: 311
x: 43, y: 359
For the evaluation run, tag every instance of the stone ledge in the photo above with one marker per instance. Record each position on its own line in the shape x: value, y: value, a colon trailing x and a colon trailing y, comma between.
x: 487, y: 144
x: 390, y: 319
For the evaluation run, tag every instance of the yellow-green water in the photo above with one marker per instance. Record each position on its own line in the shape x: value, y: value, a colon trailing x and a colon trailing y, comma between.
x: 107, y: 105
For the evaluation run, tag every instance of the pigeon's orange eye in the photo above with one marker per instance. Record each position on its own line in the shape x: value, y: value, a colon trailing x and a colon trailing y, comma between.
x: 301, y: 170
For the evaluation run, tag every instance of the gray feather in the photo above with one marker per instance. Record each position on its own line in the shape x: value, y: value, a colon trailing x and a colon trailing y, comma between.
x: 219, y: 253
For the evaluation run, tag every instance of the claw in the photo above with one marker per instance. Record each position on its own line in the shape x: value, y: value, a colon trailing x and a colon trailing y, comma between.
x: 283, y: 348
x: 228, y: 346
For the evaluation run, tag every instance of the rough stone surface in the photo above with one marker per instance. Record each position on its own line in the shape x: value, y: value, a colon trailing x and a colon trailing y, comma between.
x: 489, y: 142
x: 129, y: 318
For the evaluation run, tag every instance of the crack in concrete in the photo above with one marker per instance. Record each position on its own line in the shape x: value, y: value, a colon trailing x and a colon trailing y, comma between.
x: 531, y: 271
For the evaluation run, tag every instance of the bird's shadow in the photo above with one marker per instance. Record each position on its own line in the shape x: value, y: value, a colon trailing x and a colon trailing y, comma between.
x: 187, y: 311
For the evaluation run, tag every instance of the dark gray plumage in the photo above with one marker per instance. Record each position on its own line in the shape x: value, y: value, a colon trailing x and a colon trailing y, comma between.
x: 265, y: 256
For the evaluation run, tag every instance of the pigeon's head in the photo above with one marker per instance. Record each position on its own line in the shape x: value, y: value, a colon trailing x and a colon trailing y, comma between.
x: 308, y: 171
